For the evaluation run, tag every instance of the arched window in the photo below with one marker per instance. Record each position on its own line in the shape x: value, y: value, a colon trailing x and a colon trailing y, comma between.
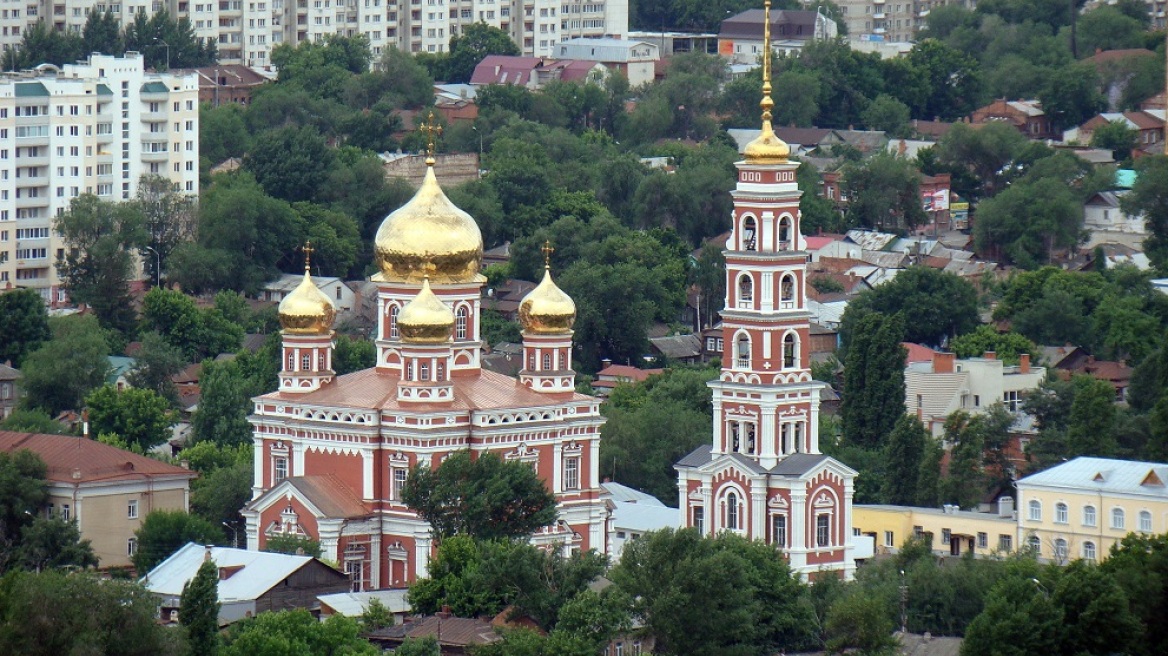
x: 784, y: 234
x: 547, y: 362
x: 790, y: 351
x: 787, y: 292
x: 440, y: 371
x: 1060, y: 513
x: 745, y: 292
x: 291, y: 362
x: 1035, y: 510
x: 743, y: 351
x: 1060, y: 549
x: 732, y: 511
x: 1117, y: 518
x: 1088, y: 515
x: 750, y: 441
x: 531, y: 361
x: 735, y: 437
x: 424, y: 371
x: 460, y: 323
x: 1088, y: 551
x: 1145, y: 521
x: 1035, y: 545
x: 305, y: 362
x: 749, y: 235
x: 321, y: 364
x: 393, y: 333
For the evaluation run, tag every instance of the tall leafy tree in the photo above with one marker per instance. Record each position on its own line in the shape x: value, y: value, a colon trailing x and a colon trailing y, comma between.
x: 1028, y: 222
x: 469, y: 48
x: 164, y: 532
x: 102, y: 33
x: 934, y: 306
x: 884, y: 193
x: 59, y: 374
x: 904, y: 455
x: 168, y: 218
x: 22, y: 494
x: 223, y: 406
x: 24, y: 324
x: 296, y: 632
x: 483, y: 497
x: 1019, y: 615
x: 1149, y: 197
x: 154, y: 364
x: 53, y: 543
x: 873, y: 399
x: 140, y: 417
x: 290, y: 162
x: 198, y: 610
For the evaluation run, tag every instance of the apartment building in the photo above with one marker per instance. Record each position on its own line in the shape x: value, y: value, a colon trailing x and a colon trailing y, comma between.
x: 890, y: 20
x: 938, y: 388
x: 247, y: 30
x: 93, y: 127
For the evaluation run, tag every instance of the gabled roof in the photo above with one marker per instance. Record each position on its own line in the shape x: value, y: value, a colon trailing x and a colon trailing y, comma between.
x: 449, y: 631
x: 9, y: 373
x: 505, y: 69
x: 329, y: 495
x: 678, y: 346
x: 626, y: 372
x: 82, y: 460
x: 625, y: 494
x: 258, y: 571
x: 1103, y: 474
x: 795, y: 465
x: 353, y: 604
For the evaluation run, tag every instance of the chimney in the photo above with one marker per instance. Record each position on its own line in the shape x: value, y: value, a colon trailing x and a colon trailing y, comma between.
x: 444, y: 613
x: 943, y: 363
x: 207, y: 554
x: 990, y: 355
x: 605, y: 363
x: 1006, y: 507
x: 1024, y: 363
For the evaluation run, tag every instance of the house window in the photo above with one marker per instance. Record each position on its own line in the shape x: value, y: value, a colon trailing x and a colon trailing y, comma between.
x: 1035, y: 509
x: 889, y: 539
x: 547, y: 362
x: 946, y: 536
x: 1088, y: 551
x: 132, y: 509
x: 66, y: 515
x: 1005, y: 543
x: 571, y: 473
x: 1088, y: 515
x: 305, y: 362
x: 131, y: 547
x: 1117, y: 518
x: 460, y: 323
x: 1035, y: 545
x: 399, y: 482
x: 356, y: 571
x: 790, y: 344
x: 279, y: 470
x: 1011, y: 400
x: 983, y: 541
x: 699, y: 519
x: 423, y: 370
x: 1060, y: 513
x: 823, y: 530
x: 732, y: 511
x: 1060, y: 549
x: 779, y: 530
x: 1145, y: 521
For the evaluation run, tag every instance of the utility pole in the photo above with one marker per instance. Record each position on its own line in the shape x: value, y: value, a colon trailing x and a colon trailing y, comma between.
x: 903, y: 603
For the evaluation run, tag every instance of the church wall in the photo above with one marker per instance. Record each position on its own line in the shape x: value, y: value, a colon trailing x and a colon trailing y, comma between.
x: 349, y: 468
x: 273, y: 515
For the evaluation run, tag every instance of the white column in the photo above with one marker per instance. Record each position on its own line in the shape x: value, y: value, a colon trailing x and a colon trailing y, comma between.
x: 257, y: 457
x: 298, y: 458
x: 798, y: 535
x: 768, y: 456
x: 768, y: 291
x: 757, y: 511
x: 376, y: 555
x: 557, y: 467
x: 366, y: 474
x: 422, y: 556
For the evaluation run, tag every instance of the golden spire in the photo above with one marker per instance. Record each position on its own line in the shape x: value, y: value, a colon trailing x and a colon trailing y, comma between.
x: 307, y: 311
x: 308, y: 251
x: 768, y: 148
x: 432, y: 130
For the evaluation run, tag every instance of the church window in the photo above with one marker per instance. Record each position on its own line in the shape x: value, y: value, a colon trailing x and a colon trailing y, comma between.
x: 423, y: 371
x: 779, y: 530
x: 745, y: 292
x: 440, y: 371
x: 798, y: 426
x: 306, y: 362
x: 321, y: 364
x: 735, y: 437
x: 547, y: 362
x: 356, y: 571
x: 749, y: 235
x: 743, y: 351
x: 699, y: 519
x: 291, y: 362
x: 460, y: 321
x: 399, y: 482
x: 785, y: 234
x: 531, y: 361
x: 279, y: 470
x: 785, y: 439
x: 571, y: 473
x: 823, y: 530
x: 790, y: 350
x: 732, y: 511
x: 787, y: 292
x: 393, y: 332
x: 750, y: 441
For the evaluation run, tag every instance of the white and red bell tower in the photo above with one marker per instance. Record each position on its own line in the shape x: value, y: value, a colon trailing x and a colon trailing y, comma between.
x: 763, y: 476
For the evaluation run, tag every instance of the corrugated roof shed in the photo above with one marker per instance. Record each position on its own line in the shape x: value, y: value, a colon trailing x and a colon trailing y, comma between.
x: 259, y: 571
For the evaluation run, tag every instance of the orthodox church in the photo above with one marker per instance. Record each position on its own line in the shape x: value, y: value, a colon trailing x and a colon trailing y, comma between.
x: 763, y: 476
x: 332, y: 453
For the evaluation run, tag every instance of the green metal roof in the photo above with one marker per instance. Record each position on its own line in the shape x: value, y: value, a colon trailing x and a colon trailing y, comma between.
x: 1125, y: 178
x: 103, y: 90
x: 30, y: 89
x: 154, y: 87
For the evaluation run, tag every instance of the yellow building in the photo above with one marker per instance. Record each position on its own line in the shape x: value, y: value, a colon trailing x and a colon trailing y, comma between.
x: 1082, y: 507
x: 954, y: 531
x: 106, y: 490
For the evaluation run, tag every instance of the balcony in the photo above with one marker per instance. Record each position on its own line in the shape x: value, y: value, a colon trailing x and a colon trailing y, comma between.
x: 923, y: 13
x: 879, y: 30
x: 880, y: 15
x: 155, y: 156
x: 40, y: 201
x: 33, y: 160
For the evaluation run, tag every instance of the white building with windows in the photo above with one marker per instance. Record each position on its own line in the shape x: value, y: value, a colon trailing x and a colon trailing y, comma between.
x: 246, y: 31
x: 89, y: 128
x: 1079, y: 509
x: 937, y: 388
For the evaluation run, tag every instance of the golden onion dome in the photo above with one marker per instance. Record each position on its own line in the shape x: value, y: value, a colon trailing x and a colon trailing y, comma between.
x: 767, y: 148
x: 429, y: 237
x: 307, y: 311
x: 547, y: 310
x: 425, y: 319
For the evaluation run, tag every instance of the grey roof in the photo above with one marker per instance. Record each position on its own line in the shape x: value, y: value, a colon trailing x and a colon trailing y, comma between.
x: 697, y: 457
x: 798, y: 464
x: 678, y: 346
x: 353, y: 604
x: 794, y: 465
x: 9, y: 373
x: 259, y: 571
x: 638, y: 518
x: 625, y: 494
x: 1104, y: 475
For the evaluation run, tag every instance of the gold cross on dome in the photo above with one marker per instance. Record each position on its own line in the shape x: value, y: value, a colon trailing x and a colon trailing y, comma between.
x: 308, y: 251
x: 432, y: 130
x: 547, y: 253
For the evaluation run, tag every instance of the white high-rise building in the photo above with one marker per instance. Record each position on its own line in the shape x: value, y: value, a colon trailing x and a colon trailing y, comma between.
x: 94, y: 127
x: 247, y: 30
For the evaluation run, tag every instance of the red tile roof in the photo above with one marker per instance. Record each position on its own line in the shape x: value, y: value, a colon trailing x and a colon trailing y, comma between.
x: 1116, y: 55
x: 626, y: 372
x: 816, y: 242
x: 918, y: 353
x: 330, y: 496
x: 504, y: 69
x: 82, y: 460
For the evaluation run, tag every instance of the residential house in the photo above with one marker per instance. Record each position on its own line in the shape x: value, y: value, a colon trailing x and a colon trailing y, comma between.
x: 108, y: 491
x: 740, y: 37
x: 505, y: 298
x: 455, y: 635
x: 679, y: 348
x: 1068, y: 358
x: 1103, y: 213
x: 823, y: 342
x: 1081, y: 508
x: 633, y: 514
x: 534, y: 73
x: 934, y: 390
x: 1025, y: 115
x: 1148, y: 123
x: 673, y: 43
x: 503, y: 358
x: 615, y: 374
x: 456, y: 102
x: 953, y: 531
x: 712, y: 343
x: 250, y: 582
x: 9, y: 391
x: 343, y: 298
x: 229, y: 83
x: 354, y: 604
x: 120, y: 368
x: 633, y: 59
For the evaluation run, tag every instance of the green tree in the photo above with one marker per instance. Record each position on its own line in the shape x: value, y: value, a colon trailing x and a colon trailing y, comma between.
x: 377, y: 616
x: 483, y: 497
x: 99, y: 237
x: 1139, y: 565
x: 1149, y: 197
x: 296, y: 633
x: 427, y: 646
x: 1019, y: 618
x: 979, y: 158
x: 873, y: 398
x: 198, y: 610
x: 168, y: 218
x: 933, y: 305
x: 1117, y: 137
x: 290, y: 163
x: 953, y: 80
x: 32, y: 421
x: 222, y: 132
x: 53, y: 543
x: 197, y: 333
x: 42, y: 44
x: 1071, y: 95
x: 154, y: 364
x: 24, y: 324
x: 292, y: 544
x: 1006, y: 347
x: 1108, y: 28
x: 884, y: 193
x: 23, y: 492
x: 59, y: 374
x: 353, y: 354
x: 904, y: 456
x: 408, y: 83
x: 469, y: 48
x: 1097, y: 617
x: 859, y: 622
x: 1090, y: 426
x: 223, y: 406
x: 102, y: 33
x: 1027, y: 222
x: 164, y: 532
x: 888, y: 114
x: 139, y: 416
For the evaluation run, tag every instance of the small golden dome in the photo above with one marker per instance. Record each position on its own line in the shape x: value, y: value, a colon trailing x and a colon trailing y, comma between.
x: 767, y: 147
x: 547, y: 310
x: 425, y: 319
x: 429, y: 237
x: 307, y: 311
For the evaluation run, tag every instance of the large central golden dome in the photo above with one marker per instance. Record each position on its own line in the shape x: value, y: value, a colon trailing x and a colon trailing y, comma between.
x: 429, y: 237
